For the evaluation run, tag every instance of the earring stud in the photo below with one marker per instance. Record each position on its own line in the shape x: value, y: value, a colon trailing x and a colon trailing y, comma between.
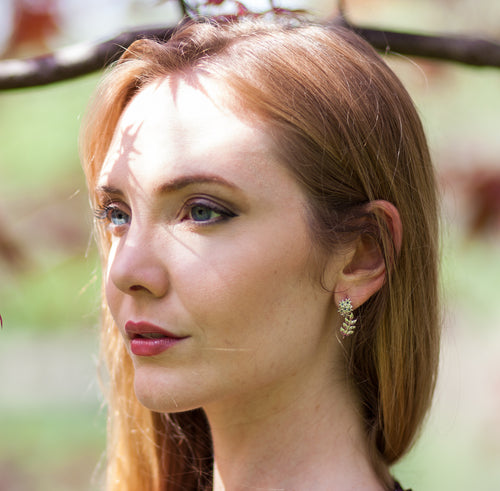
x: 346, y: 311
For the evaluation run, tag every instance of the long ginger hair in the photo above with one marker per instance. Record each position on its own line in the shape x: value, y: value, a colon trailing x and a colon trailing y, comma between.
x: 347, y: 129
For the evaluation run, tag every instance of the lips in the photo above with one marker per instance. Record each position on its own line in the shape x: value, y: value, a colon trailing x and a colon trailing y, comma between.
x: 147, y: 339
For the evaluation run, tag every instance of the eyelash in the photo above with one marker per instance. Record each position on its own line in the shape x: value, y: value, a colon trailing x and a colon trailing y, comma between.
x: 103, y: 212
x: 224, y: 213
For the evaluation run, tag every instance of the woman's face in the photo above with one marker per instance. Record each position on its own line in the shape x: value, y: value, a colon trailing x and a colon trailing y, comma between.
x: 211, y: 278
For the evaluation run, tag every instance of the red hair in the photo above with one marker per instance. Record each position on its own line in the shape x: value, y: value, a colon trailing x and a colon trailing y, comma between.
x: 345, y: 126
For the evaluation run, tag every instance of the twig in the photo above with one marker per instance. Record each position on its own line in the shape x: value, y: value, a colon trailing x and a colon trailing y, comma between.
x: 460, y: 49
x: 72, y: 61
x: 82, y: 59
x: 184, y: 8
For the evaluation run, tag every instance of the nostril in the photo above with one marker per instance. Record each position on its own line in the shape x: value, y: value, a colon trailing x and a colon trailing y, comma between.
x: 140, y: 288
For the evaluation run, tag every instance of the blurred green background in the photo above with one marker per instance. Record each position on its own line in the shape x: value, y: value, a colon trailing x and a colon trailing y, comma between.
x: 52, y: 434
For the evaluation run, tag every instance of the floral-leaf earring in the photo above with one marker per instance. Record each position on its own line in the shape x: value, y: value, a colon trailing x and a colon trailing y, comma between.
x: 346, y: 311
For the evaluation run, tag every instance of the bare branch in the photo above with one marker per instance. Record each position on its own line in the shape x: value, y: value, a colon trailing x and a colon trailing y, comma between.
x: 184, y: 7
x: 73, y: 61
x: 82, y: 59
x: 459, y: 49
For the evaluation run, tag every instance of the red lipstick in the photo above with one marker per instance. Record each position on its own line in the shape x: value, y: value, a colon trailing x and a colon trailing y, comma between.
x: 148, y: 339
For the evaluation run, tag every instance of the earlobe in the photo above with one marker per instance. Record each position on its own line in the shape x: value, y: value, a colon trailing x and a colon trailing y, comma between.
x: 365, y: 272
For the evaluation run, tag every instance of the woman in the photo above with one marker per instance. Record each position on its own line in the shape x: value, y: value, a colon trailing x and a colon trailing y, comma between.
x: 266, y: 212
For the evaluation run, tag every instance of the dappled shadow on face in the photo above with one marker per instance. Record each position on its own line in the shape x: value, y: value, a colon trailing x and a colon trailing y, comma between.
x: 119, y: 163
x: 122, y: 154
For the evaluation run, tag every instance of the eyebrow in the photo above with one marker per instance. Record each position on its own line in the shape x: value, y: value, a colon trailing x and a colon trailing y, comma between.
x: 175, y: 184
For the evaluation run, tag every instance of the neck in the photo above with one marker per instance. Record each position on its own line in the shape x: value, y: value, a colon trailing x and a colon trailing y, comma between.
x: 308, y: 438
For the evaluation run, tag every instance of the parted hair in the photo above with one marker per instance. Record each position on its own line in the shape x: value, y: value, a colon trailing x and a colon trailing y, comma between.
x: 344, y: 125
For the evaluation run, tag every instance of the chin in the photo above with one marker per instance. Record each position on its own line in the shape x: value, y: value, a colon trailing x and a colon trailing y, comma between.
x: 163, y: 394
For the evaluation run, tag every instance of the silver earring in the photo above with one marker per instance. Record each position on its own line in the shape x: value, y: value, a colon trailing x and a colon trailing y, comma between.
x: 346, y: 311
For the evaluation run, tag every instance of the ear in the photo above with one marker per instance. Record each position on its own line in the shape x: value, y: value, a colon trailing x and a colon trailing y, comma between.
x: 364, y: 272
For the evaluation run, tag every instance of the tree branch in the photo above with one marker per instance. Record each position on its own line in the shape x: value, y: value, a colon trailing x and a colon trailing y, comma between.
x: 460, y: 49
x: 82, y: 59
x: 73, y: 61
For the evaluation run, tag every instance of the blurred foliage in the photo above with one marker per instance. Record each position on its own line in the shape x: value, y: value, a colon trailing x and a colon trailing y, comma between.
x: 39, y: 130
x: 54, y: 297
x: 55, y: 450
x: 44, y: 209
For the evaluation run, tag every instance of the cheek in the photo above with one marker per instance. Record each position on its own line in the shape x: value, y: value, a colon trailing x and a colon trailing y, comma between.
x: 248, y: 283
x: 113, y: 294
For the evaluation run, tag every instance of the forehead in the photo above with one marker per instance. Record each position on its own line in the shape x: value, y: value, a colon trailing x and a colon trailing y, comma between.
x: 173, y: 125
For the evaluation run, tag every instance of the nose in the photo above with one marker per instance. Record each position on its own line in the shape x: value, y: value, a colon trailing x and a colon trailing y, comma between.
x: 136, y: 265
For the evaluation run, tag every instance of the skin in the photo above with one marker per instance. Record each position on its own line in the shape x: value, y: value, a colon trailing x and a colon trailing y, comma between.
x: 210, y: 241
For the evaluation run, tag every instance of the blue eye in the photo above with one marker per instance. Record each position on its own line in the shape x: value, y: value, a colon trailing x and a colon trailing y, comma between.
x: 206, y: 212
x: 201, y: 213
x: 112, y: 214
x: 118, y: 217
